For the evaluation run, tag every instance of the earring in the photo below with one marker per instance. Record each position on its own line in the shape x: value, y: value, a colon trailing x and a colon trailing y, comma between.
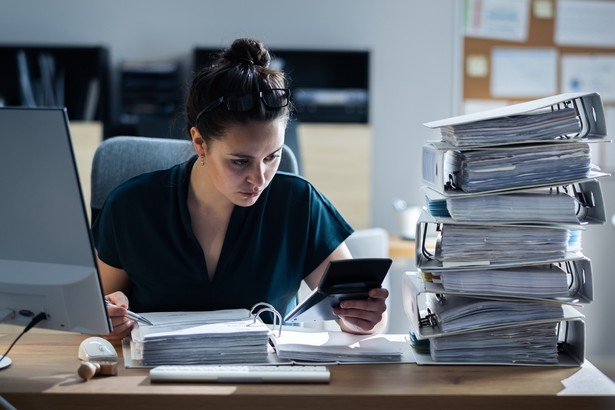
x: 203, y: 161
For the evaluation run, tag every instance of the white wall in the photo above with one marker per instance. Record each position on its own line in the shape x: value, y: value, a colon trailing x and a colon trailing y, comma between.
x: 411, y: 45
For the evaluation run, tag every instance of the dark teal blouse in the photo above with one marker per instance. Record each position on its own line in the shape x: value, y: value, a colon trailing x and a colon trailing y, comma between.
x: 144, y: 228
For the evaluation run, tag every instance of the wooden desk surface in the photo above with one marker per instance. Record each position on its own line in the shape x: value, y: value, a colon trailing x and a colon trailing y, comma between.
x: 43, y: 376
x: 401, y: 248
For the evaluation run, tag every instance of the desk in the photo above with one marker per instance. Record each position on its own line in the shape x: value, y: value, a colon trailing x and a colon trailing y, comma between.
x: 401, y: 248
x: 43, y: 376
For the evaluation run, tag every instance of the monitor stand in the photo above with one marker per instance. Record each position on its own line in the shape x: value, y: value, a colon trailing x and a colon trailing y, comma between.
x: 5, y: 361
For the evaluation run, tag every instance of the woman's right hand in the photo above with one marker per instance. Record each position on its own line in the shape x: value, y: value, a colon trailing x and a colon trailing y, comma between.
x: 122, y: 324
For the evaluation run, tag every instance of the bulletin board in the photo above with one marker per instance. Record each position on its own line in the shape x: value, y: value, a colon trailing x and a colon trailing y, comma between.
x: 540, y: 34
x: 582, y: 55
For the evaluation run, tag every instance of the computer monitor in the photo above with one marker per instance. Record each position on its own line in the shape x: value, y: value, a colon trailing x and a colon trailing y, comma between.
x: 47, y: 258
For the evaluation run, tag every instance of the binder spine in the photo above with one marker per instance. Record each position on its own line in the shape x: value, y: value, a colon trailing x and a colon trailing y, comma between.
x: 430, y: 165
x: 591, y: 114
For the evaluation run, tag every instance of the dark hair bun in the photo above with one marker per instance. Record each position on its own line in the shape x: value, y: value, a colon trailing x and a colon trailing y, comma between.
x: 248, y: 51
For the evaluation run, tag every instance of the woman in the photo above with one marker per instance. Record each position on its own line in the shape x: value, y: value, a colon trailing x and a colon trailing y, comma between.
x: 223, y: 230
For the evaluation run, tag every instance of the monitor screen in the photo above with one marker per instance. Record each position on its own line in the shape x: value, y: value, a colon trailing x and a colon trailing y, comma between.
x: 47, y: 260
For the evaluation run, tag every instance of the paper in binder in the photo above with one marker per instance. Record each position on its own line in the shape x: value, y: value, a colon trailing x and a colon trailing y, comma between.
x: 308, y: 345
x: 452, y: 329
x: 548, y: 344
x: 563, y: 244
x: 497, y: 245
x: 454, y: 313
x: 238, y: 336
x: 438, y: 314
x: 564, y: 282
x: 542, y: 125
x: 461, y: 244
x: 536, y: 280
x: 504, y: 168
x: 225, y: 336
x: 519, y: 344
x: 559, y: 118
x: 511, y: 156
x: 575, y: 204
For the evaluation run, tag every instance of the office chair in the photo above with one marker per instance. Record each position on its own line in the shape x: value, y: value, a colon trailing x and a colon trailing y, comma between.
x: 120, y: 158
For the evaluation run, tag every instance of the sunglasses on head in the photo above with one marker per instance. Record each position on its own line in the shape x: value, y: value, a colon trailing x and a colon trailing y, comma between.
x: 273, y: 98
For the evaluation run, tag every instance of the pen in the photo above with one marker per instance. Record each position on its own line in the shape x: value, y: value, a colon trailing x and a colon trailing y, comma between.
x: 132, y: 314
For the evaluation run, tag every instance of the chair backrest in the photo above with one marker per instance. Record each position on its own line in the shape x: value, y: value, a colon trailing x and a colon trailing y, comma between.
x: 369, y: 243
x: 120, y: 158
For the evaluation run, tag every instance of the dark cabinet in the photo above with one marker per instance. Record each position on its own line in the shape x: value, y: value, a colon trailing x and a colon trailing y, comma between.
x: 328, y: 86
x: 73, y: 77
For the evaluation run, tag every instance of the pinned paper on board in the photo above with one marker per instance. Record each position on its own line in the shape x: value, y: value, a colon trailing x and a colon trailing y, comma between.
x: 543, y: 9
x: 582, y: 72
x: 497, y: 19
x: 523, y: 72
x: 585, y: 23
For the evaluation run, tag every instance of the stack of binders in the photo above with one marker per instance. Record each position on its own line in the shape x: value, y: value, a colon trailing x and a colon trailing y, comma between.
x: 500, y: 269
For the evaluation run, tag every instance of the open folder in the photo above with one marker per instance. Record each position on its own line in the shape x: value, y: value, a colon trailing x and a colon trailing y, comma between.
x: 309, y: 345
x: 223, y: 336
x: 235, y: 337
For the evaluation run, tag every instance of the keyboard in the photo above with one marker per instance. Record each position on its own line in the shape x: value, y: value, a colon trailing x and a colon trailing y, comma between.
x: 240, y: 374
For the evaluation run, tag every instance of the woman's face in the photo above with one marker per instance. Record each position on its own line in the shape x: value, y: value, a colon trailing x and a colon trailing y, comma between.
x: 242, y: 163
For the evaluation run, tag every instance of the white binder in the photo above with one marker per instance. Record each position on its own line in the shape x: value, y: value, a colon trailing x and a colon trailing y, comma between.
x: 588, y: 107
x: 424, y: 327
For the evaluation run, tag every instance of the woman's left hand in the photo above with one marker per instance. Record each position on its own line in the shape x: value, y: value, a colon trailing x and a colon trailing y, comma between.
x: 361, y: 316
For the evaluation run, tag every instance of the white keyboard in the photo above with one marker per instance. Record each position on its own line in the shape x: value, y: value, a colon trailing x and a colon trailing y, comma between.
x: 240, y: 374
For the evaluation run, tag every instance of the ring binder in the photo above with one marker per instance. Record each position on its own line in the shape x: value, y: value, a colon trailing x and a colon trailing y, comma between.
x: 586, y: 107
x: 554, y: 344
x: 425, y: 322
x: 451, y: 171
x: 232, y: 336
x: 429, y: 245
x: 238, y: 336
x: 428, y: 320
x: 579, y: 203
x: 482, y: 244
x: 567, y: 282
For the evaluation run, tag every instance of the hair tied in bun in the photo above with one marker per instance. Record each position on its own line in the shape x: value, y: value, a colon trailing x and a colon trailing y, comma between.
x: 246, y: 60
